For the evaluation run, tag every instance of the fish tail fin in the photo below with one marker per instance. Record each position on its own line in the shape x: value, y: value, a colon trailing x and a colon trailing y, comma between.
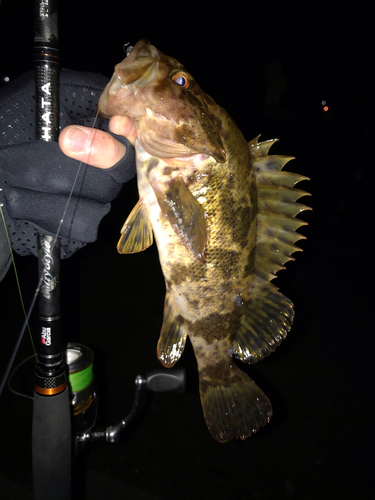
x: 233, y: 405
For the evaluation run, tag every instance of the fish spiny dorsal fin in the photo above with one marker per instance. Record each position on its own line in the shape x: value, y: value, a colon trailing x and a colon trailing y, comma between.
x: 259, y: 149
x: 277, y: 210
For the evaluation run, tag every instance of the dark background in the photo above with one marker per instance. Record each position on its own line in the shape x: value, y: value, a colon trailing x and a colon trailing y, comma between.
x: 271, y: 70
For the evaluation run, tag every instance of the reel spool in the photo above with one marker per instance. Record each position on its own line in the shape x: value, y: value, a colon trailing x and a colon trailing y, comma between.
x: 80, y: 361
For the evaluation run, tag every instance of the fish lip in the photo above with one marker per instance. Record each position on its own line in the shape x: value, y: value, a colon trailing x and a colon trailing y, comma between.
x: 133, y: 54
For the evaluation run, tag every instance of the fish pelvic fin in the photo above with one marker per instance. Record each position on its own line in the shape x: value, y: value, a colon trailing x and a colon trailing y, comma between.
x: 266, y: 322
x: 136, y: 233
x: 277, y: 209
x: 234, y: 407
x: 172, y: 338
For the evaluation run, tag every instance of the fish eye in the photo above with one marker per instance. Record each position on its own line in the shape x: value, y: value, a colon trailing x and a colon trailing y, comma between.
x: 181, y: 80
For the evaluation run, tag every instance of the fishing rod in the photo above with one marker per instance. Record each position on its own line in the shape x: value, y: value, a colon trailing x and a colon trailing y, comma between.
x: 51, y: 422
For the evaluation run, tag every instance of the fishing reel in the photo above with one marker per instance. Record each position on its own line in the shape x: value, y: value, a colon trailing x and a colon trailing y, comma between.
x: 84, y: 399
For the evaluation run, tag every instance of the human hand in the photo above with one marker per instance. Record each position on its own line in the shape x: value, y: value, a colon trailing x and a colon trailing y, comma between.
x: 36, y: 178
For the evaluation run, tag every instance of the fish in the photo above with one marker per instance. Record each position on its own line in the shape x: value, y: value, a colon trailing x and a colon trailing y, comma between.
x: 223, y: 215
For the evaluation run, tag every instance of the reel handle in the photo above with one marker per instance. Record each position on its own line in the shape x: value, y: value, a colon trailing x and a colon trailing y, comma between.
x: 166, y: 381
x: 155, y: 381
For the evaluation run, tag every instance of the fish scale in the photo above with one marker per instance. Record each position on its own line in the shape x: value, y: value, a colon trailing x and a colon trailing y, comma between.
x: 223, y: 214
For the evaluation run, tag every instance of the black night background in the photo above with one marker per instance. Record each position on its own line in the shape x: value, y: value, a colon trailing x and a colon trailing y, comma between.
x: 275, y: 72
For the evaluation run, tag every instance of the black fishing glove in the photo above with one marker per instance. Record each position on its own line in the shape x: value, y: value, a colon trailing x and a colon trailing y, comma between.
x: 36, y: 177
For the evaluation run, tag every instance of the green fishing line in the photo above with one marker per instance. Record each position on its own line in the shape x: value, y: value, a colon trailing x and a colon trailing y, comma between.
x: 18, y: 283
x: 80, y: 380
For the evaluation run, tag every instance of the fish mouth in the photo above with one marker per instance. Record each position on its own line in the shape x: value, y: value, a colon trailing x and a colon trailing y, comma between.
x: 135, y: 65
x: 119, y: 96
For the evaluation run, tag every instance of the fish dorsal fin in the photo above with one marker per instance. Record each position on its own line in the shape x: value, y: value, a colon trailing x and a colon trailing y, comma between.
x: 172, y: 337
x: 268, y: 315
x: 277, y: 210
x: 185, y: 214
x: 136, y: 233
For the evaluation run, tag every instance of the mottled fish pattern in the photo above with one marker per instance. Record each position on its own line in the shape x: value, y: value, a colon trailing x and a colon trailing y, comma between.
x: 223, y: 214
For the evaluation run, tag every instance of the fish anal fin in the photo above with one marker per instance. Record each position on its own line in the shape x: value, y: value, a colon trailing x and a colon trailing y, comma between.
x: 185, y: 214
x: 267, y: 319
x: 172, y: 338
x: 136, y: 233
x: 234, y: 407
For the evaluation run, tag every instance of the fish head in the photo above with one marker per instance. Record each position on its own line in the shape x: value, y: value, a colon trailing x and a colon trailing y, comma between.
x: 174, y: 118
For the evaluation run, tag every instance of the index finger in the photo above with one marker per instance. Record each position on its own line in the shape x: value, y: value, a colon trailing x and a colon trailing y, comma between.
x: 123, y: 125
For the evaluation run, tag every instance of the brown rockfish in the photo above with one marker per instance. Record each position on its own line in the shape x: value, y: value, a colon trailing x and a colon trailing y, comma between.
x: 223, y: 216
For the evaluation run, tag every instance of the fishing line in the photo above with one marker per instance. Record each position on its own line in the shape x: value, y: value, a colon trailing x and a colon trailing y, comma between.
x: 35, y: 296
x: 27, y: 316
x: 80, y: 380
x: 17, y: 280
x: 11, y: 376
x: 73, y: 186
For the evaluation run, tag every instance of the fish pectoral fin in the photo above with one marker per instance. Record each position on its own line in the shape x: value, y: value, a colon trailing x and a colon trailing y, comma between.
x: 136, y: 233
x: 267, y: 320
x: 233, y: 405
x: 172, y: 338
x: 185, y: 214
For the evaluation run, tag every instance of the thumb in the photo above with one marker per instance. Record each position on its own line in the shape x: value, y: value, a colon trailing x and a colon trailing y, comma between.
x: 92, y: 146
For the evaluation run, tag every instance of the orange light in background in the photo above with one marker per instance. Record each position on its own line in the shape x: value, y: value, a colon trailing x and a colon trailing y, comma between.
x: 326, y: 108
